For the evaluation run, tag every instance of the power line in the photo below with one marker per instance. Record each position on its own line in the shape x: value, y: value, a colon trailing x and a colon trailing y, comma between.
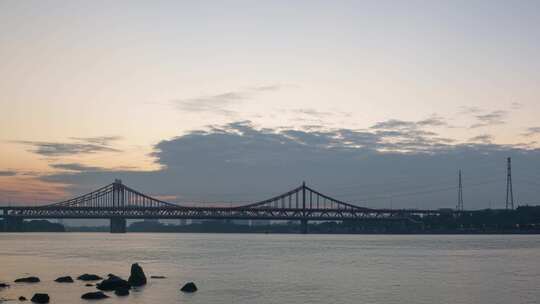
x: 437, y: 186
x: 415, y: 193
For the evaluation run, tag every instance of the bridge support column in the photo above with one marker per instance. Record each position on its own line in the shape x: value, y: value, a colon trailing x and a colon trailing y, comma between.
x: 118, y: 225
x: 13, y: 224
x: 304, y: 226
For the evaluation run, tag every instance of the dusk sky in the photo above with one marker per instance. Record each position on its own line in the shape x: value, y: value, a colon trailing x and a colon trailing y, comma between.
x: 379, y: 103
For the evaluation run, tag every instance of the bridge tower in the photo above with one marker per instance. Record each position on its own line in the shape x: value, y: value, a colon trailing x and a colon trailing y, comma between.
x: 509, y: 190
x: 118, y: 223
x: 304, y: 221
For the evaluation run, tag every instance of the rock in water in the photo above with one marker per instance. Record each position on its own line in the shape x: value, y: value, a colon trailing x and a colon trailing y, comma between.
x: 27, y: 280
x: 157, y: 277
x: 137, y: 277
x: 89, y: 285
x: 4, y: 285
x: 22, y: 299
x: 98, y: 295
x: 121, y: 292
x: 189, y: 287
x: 40, y: 298
x: 113, y: 283
x: 89, y: 277
x: 66, y: 279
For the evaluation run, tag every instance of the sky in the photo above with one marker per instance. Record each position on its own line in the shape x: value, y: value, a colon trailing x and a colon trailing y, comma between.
x: 378, y: 103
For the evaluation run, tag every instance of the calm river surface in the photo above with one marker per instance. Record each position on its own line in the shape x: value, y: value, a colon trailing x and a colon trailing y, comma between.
x: 258, y: 268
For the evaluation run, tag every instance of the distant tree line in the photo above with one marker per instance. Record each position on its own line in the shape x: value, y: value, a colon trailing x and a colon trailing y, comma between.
x: 38, y: 226
x: 525, y: 219
x: 522, y: 219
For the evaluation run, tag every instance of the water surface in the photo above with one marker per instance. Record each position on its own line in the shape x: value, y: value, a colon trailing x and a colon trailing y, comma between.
x: 259, y: 268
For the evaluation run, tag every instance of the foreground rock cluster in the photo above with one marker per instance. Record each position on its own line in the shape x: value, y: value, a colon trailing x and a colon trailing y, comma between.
x: 66, y: 279
x: 112, y: 283
x: 40, y: 298
x: 89, y: 277
x: 28, y: 280
x: 137, y: 277
x: 189, y: 287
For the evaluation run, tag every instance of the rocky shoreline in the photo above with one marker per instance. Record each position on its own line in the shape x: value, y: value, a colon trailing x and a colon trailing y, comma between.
x: 111, y: 284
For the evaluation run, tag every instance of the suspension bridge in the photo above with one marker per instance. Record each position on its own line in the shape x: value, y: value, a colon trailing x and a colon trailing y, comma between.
x: 118, y: 202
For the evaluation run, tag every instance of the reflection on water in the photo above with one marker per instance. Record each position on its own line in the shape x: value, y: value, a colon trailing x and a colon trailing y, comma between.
x: 281, y: 268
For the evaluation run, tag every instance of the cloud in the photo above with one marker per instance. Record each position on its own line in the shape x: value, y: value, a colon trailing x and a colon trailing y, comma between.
x: 490, y: 119
x: 7, y: 173
x: 221, y: 103
x: 310, y: 117
x: 396, y: 124
x: 314, y: 113
x: 470, y: 110
x: 485, y: 138
x: 434, y: 121
x: 532, y: 131
x: 80, y: 146
x: 239, y: 162
x: 266, y: 88
x: 410, y: 136
x: 516, y: 106
x: 213, y: 103
x: 101, y: 140
x: 393, y: 124
x: 485, y: 119
x: 75, y: 167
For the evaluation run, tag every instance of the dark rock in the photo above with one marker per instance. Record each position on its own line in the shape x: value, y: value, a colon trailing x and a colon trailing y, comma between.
x: 27, y: 280
x: 40, y: 298
x: 98, y: 295
x: 121, y: 292
x: 21, y: 298
x: 89, y: 285
x: 158, y: 277
x: 4, y: 285
x: 66, y: 279
x: 113, y: 283
x: 137, y: 277
x: 89, y: 277
x: 189, y: 287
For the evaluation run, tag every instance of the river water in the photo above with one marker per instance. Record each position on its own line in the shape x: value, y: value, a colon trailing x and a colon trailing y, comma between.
x: 269, y: 268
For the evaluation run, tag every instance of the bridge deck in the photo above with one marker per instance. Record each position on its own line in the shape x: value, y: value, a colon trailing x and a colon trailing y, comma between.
x: 119, y: 201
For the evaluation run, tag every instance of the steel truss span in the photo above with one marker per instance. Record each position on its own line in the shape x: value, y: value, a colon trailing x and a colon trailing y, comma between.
x: 117, y: 200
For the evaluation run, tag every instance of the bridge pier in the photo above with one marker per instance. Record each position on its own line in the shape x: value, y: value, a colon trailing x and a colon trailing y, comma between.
x: 304, y: 226
x: 13, y: 224
x: 118, y: 225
